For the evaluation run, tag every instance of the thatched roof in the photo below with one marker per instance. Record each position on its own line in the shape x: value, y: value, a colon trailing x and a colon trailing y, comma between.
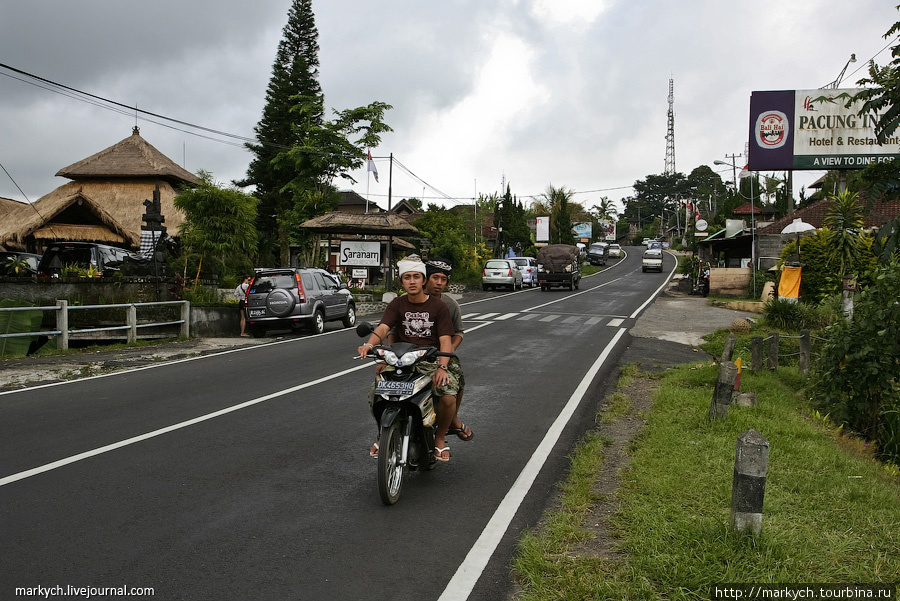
x: 101, y: 211
x: 133, y: 157
x: 8, y: 205
x: 371, y: 224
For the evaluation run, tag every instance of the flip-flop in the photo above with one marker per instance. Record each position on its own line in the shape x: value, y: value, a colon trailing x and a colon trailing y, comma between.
x: 439, y: 454
x: 375, y: 452
x: 461, y: 433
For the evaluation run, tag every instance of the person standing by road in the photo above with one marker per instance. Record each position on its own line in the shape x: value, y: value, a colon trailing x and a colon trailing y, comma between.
x: 240, y: 293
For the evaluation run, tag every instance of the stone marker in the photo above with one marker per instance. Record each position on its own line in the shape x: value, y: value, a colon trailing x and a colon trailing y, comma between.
x: 724, y: 389
x: 751, y: 463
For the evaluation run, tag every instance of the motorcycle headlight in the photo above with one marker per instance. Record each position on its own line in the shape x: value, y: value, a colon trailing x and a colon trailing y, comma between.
x: 390, y: 357
x: 409, y: 358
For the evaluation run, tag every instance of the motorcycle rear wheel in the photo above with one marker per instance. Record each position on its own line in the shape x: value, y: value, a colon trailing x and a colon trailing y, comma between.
x: 390, y: 472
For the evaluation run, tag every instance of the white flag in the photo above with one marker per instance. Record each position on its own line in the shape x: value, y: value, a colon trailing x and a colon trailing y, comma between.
x: 371, y: 166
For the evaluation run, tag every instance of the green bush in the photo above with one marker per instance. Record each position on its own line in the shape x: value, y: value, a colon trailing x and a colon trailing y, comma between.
x: 789, y: 316
x: 858, y: 372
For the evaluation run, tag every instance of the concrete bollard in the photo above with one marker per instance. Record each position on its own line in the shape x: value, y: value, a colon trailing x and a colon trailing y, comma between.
x: 773, y: 351
x: 728, y: 351
x: 756, y: 354
x: 721, y: 399
x: 804, y: 352
x: 751, y: 463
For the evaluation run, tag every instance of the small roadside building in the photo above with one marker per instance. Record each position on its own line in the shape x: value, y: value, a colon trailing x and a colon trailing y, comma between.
x: 103, y: 202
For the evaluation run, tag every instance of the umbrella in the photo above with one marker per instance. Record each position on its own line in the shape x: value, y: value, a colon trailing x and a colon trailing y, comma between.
x: 796, y: 227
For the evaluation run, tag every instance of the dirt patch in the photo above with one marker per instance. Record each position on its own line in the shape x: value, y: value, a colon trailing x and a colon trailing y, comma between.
x: 620, y: 433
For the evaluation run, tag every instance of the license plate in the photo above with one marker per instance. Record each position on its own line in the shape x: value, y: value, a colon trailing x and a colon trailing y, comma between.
x: 257, y: 312
x: 390, y: 387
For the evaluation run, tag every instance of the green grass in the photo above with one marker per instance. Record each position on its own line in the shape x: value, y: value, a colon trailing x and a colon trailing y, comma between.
x: 830, y: 512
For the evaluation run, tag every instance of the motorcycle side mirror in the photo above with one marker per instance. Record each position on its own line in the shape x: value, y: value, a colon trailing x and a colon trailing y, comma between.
x: 364, y: 328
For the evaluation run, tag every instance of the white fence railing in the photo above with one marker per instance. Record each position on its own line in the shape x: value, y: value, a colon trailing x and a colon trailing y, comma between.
x: 131, y: 325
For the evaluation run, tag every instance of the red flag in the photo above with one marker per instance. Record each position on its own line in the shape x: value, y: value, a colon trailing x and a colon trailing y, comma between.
x: 744, y: 172
x: 371, y: 166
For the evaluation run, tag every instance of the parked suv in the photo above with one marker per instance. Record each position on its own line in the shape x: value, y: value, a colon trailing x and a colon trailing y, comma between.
x: 294, y: 298
x: 99, y: 259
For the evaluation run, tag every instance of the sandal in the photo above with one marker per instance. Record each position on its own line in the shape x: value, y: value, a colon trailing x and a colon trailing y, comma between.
x: 461, y: 433
x: 439, y: 454
x: 373, y: 452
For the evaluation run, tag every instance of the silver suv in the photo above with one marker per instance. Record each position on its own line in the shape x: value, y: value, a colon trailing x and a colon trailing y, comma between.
x: 279, y: 299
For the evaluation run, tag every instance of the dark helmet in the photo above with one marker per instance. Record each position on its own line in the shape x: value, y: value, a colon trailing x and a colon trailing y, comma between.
x: 437, y: 265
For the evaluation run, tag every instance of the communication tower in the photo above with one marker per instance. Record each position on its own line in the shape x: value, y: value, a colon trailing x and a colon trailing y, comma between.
x: 670, y: 132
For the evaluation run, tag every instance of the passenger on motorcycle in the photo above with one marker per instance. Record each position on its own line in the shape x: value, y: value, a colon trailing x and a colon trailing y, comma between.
x: 438, y: 273
x: 418, y: 318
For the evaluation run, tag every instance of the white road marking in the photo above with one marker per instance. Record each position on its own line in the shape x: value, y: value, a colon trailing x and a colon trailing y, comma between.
x: 615, y: 323
x: 549, y: 318
x: 507, y: 316
x: 463, y: 582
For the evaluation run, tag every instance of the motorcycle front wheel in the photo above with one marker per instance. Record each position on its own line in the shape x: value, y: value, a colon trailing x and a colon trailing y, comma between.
x: 390, y: 471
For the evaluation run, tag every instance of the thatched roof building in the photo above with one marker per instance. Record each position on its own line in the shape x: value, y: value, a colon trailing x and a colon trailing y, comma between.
x: 104, y: 203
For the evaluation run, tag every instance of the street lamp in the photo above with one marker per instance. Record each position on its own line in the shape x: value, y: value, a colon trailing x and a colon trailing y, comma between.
x: 837, y: 82
x: 733, y: 167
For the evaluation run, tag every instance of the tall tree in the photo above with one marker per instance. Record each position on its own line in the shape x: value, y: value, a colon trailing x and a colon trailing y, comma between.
x: 294, y: 75
x: 557, y: 203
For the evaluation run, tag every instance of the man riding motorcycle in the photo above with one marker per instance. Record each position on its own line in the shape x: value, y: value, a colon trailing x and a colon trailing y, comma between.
x: 418, y: 318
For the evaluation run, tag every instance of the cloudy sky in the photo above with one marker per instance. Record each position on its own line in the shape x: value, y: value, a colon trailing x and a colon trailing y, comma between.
x: 565, y: 92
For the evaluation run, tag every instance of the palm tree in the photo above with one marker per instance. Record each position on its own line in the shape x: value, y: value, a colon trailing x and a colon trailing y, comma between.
x: 844, y: 220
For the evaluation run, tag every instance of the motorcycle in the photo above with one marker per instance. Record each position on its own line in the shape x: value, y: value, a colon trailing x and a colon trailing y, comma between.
x: 703, y: 284
x: 403, y: 408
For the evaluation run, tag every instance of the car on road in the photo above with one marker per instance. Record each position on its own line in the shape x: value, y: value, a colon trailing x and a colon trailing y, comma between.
x: 528, y: 267
x: 615, y: 250
x: 501, y: 272
x: 598, y: 253
x: 295, y: 298
x: 652, y: 259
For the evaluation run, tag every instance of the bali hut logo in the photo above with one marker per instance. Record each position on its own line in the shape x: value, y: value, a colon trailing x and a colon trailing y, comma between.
x: 771, y: 129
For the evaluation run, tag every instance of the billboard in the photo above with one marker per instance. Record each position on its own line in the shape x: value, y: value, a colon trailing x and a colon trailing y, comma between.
x: 360, y: 253
x: 608, y: 229
x: 543, y: 229
x: 813, y: 129
x: 583, y: 229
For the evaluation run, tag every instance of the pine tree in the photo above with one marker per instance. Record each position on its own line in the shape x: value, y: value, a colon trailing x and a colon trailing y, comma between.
x: 294, y: 74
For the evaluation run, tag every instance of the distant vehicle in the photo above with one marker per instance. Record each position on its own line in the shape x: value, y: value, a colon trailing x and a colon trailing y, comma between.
x: 17, y: 263
x: 655, y: 244
x: 528, y: 267
x: 294, y: 298
x: 615, y: 250
x: 559, y: 265
x: 645, y: 242
x: 598, y: 253
x: 100, y: 260
x: 501, y: 272
x: 652, y: 259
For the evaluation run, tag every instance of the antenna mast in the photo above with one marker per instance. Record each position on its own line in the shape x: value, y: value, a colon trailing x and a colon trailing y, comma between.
x: 670, y: 132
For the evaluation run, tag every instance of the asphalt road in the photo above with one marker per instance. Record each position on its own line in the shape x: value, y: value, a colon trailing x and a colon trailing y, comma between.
x: 245, y: 475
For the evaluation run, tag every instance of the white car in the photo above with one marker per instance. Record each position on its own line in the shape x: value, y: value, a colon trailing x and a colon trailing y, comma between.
x: 501, y: 272
x: 615, y: 250
x: 528, y: 267
x: 652, y: 259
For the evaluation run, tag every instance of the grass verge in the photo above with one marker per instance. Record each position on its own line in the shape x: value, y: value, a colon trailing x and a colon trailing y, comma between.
x: 830, y: 510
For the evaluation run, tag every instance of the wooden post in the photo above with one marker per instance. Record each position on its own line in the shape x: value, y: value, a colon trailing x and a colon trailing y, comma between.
x: 756, y: 354
x: 751, y: 462
x: 773, y: 351
x: 62, y: 324
x: 728, y: 351
x: 722, y: 394
x: 804, y: 352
